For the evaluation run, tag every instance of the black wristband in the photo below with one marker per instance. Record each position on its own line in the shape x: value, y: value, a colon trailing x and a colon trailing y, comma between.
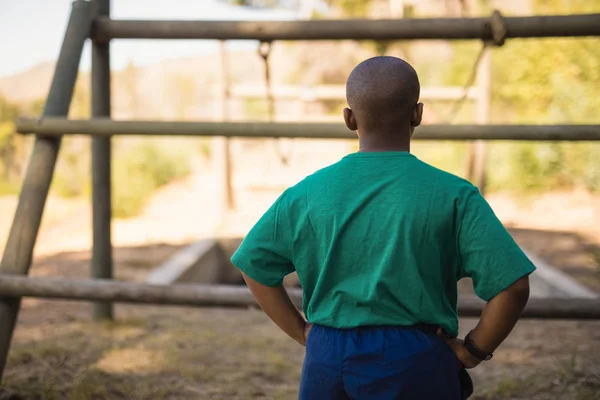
x: 474, y: 350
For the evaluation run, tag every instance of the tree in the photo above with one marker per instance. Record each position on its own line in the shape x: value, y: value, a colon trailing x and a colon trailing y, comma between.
x: 263, y: 3
x: 11, y: 145
x: 545, y: 81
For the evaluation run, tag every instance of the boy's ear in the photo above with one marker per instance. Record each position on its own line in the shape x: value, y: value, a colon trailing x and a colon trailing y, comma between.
x: 417, y: 115
x: 350, y: 119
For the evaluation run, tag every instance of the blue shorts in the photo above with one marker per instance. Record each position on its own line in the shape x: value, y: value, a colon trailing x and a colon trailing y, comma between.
x: 381, y: 363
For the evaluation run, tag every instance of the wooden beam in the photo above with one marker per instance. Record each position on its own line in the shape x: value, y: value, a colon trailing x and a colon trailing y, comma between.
x: 26, y: 223
x: 106, y: 127
x: 352, y: 29
x: 240, y: 296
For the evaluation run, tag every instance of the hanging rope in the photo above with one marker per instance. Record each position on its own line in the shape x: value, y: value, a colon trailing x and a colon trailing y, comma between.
x: 458, y: 104
x: 264, y: 50
x: 498, y: 33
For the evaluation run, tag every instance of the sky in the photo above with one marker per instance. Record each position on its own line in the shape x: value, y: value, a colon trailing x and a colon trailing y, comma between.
x: 31, y: 31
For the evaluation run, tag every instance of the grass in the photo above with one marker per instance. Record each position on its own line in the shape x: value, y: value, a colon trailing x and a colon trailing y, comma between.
x: 568, y: 380
x: 179, y: 353
x: 168, y: 358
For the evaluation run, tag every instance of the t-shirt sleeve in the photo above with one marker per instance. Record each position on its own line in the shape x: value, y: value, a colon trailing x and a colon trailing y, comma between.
x: 488, y: 254
x: 265, y: 254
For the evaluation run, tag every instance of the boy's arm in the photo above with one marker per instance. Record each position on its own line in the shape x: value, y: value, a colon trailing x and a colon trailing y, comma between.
x: 278, y: 306
x: 264, y: 259
x: 498, y: 319
x: 499, y: 270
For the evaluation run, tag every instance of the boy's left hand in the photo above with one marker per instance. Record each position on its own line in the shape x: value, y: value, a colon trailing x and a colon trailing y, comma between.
x: 463, y: 355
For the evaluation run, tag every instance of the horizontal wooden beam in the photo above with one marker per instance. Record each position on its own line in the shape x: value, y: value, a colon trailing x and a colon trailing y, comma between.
x: 353, y: 29
x: 240, y: 296
x: 107, y: 127
x: 125, y: 292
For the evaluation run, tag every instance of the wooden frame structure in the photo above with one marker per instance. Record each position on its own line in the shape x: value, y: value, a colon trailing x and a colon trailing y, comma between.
x: 92, y: 20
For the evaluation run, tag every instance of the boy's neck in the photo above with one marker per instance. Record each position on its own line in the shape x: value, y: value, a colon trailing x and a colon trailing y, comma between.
x: 370, y: 146
x: 369, y: 149
x: 384, y: 140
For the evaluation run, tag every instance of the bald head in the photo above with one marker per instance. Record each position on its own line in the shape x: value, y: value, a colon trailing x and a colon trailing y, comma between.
x: 383, y: 95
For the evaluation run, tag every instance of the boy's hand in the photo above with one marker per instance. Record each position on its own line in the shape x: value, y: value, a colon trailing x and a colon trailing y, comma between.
x: 307, y: 328
x: 463, y: 355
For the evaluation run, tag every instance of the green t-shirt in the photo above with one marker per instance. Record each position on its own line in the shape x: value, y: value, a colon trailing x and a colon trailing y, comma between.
x: 382, y: 239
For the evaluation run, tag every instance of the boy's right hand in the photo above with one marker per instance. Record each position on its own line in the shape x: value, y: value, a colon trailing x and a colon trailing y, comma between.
x: 307, y: 328
x: 464, y: 356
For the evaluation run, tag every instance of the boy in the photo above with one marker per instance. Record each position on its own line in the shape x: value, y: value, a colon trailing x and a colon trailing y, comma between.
x: 379, y: 241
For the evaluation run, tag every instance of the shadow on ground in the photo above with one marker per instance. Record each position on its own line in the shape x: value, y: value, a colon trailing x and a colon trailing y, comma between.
x: 130, y: 263
x: 570, y: 252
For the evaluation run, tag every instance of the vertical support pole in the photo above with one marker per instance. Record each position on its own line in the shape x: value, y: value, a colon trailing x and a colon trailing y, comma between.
x: 226, y: 142
x: 483, y: 118
x: 26, y: 223
x: 102, y: 260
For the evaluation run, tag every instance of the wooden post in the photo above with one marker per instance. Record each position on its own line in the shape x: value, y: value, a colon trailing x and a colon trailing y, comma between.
x: 225, y: 143
x: 23, y: 233
x: 483, y: 118
x: 102, y: 261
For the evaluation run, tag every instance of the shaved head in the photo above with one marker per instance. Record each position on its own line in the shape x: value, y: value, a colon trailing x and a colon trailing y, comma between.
x: 383, y: 94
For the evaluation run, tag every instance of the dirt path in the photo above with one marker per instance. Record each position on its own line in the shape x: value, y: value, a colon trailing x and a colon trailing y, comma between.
x: 179, y: 213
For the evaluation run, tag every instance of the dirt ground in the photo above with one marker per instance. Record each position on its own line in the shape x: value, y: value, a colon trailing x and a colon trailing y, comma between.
x: 177, y: 353
x: 180, y: 353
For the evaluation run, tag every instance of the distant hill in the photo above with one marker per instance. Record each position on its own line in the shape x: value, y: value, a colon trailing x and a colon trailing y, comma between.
x: 190, y: 88
x: 28, y: 85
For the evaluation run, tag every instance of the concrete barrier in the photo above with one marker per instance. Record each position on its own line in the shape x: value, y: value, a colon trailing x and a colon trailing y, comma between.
x: 200, y: 262
x: 205, y: 261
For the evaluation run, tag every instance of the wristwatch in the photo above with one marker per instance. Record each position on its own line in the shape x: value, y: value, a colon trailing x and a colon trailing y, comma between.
x: 476, y: 352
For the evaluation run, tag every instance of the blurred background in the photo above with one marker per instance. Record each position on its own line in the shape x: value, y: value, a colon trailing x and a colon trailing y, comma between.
x: 168, y: 192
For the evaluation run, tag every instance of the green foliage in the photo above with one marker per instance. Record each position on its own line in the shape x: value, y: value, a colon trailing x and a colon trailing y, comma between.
x: 549, y: 80
x: 353, y: 8
x: 541, y: 81
x: 256, y: 109
x: 9, y: 188
x: 448, y: 156
x: 81, y: 101
x: 72, y: 175
x: 333, y: 107
x: 7, y: 130
x: 8, y: 112
x: 256, y: 3
x: 12, y: 147
x: 140, y: 169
